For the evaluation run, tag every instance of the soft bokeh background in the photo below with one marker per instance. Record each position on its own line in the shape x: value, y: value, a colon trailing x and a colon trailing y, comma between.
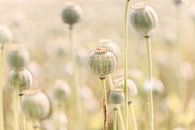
x: 37, y: 25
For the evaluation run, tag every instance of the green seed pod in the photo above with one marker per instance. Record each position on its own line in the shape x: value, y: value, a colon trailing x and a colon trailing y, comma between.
x: 61, y: 91
x: 143, y: 18
x: 117, y: 96
x: 35, y: 105
x: 20, y: 80
x: 132, y: 88
x: 18, y: 59
x: 71, y: 14
x: 5, y: 34
x: 102, y: 62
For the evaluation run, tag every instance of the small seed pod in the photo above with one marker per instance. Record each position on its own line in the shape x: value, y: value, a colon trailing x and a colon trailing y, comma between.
x: 110, y: 46
x: 102, y: 62
x: 5, y: 34
x: 61, y: 91
x: 132, y: 88
x: 20, y: 80
x: 35, y: 105
x: 18, y: 59
x: 72, y: 14
x: 143, y: 18
x: 117, y: 96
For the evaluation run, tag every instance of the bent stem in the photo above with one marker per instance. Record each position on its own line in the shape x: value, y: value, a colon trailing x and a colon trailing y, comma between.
x: 1, y: 88
x: 74, y: 80
x: 149, y: 51
x: 133, y: 116
x: 105, y: 105
x: 126, y: 61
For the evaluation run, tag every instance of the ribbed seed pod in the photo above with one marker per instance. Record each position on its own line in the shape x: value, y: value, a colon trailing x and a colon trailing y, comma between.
x: 5, y: 34
x: 35, y: 105
x: 110, y: 46
x: 143, y: 18
x: 132, y: 88
x: 117, y: 96
x: 61, y: 91
x: 102, y: 62
x: 20, y: 80
x: 18, y: 59
x: 72, y: 14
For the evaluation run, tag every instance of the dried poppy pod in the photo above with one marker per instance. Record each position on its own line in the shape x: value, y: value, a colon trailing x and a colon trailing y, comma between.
x: 5, y: 34
x: 132, y: 88
x: 35, y: 104
x: 71, y: 14
x: 20, y: 80
x: 102, y: 62
x: 143, y: 18
x: 61, y: 91
x: 18, y: 59
x: 117, y: 96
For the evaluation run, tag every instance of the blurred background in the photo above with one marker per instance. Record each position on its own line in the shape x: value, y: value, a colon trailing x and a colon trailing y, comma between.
x: 37, y: 25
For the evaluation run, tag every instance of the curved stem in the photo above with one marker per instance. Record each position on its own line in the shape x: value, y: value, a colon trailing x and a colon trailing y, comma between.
x: 121, y: 117
x: 126, y: 61
x: 149, y: 51
x: 105, y: 105
x: 133, y: 116
x: 1, y: 88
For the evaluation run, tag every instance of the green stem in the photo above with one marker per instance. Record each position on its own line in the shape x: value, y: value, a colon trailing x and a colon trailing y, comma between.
x: 126, y: 61
x: 1, y: 89
x: 149, y: 53
x: 105, y: 105
x: 74, y: 80
x: 121, y: 117
x: 114, y: 120
x: 133, y: 116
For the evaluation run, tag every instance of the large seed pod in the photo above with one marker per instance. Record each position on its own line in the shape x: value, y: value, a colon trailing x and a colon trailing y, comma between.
x: 143, y: 18
x: 18, y: 59
x: 132, y: 88
x: 20, y: 80
x: 5, y: 34
x: 35, y: 105
x: 102, y: 62
x: 61, y: 91
x: 117, y: 96
x: 71, y: 14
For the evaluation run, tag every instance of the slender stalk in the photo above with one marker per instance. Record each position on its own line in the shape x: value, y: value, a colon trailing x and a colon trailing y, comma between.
x: 126, y: 61
x: 74, y: 80
x: 121, y: 117
x: 133, y: 116
x: 149, y: 53
x: 105, y: 104
x: 115, y: 119
x: 16, y: 110
x: 1, y: 89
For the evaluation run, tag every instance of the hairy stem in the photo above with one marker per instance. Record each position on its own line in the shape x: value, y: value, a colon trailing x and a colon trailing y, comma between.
x: 105, y: 105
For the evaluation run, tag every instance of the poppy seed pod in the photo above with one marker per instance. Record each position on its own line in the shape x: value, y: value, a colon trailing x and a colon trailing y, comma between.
x: 143, y: 18
x: 102, y: 62
x: 116, y: 96
x: 71, y: 14
x: 61, y: 91
x: 132, y: 88
x: 20, y: 80
x: 35, y: 105
x: 5, y: 34
x: 18, y: 59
